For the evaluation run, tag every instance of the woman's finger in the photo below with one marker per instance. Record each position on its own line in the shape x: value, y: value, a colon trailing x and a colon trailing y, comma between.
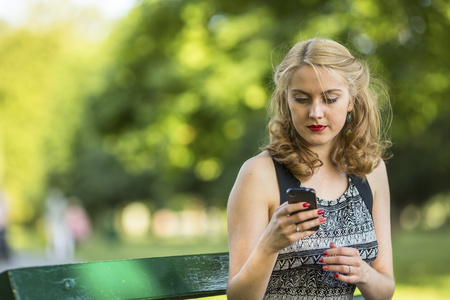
x: 343, y: 269
x: 338, y: 260
x: 341, y: 251
x: 350, y: 278
x: 312, y: 222
x: 295, y: 207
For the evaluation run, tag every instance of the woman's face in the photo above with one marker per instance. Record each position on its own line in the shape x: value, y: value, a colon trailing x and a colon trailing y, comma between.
x: 318, y: 101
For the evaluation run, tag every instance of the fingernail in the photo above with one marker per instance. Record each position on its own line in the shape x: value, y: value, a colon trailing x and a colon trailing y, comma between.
x: 325, y: 253
x: 336, y: 275
x: 320, y: 212
x: 321, y: 259
x: 325, y: 268
x: 306, y: 204
x: 321, y: 220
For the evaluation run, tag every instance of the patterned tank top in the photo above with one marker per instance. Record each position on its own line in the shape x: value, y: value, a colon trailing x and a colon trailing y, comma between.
x: 297, y: 273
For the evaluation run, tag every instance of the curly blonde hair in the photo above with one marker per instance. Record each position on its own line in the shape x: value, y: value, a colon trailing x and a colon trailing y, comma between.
x: 362, y: 150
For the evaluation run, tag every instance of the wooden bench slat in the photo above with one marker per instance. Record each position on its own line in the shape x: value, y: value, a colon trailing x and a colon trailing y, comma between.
x: 177, y: 277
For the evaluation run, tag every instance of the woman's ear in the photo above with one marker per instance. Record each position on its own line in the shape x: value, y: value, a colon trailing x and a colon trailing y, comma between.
x: 351, y: 104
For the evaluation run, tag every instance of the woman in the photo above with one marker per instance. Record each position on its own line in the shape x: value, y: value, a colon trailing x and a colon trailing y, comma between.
x: 325, y: 135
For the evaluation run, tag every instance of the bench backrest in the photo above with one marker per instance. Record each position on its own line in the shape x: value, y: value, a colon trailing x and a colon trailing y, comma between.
x: 176, y: 277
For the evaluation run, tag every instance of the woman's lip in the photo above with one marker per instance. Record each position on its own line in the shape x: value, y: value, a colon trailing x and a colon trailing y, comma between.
x: 317, y: 128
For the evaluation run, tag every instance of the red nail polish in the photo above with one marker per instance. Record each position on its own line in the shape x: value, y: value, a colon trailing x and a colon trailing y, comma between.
x: 320, y: 212
x: 306, y: 204
x: 321, y: 259
x: 336, y: 275
x: 325, y: 268
x: 321, y: 220
x: 325, y: 253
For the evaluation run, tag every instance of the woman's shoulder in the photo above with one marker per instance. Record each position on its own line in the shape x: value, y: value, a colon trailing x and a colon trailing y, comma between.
x: 378, y: 179
x: 260, y: 162
x: 378, y: 173
x: 260, y: 167
x: 258, y: 174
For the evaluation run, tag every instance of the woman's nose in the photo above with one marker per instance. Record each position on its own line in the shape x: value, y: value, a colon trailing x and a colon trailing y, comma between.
x: 316, y: 111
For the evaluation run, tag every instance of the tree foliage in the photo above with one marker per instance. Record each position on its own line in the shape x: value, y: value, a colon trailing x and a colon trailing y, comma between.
x: 45, y: 72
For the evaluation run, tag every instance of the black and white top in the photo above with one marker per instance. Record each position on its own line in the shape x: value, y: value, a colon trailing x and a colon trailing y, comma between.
x: 298, y: 274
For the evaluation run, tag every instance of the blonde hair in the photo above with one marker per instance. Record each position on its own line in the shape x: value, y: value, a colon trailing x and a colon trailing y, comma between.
x: 357, y: 154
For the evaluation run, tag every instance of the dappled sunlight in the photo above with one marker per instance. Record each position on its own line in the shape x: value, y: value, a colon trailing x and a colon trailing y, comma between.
x: 410, y: 217
x: 208, y: 169
x: 436, y: 215
x: 184, y: 134
x: 432, y: 215
x: 181, y: 156
x: 167, y: 223
x: 234, y: 129
x: 255, y: 97
x: 136, y: 219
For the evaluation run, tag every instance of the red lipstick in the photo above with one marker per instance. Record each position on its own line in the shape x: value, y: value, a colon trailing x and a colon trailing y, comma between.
x: 317, y: 128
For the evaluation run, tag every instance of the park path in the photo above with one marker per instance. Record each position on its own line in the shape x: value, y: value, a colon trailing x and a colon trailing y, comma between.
x: 25, y: 259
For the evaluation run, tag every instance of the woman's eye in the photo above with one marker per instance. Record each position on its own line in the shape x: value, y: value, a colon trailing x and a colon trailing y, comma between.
x: 301, y: 100
x: 331, y: 100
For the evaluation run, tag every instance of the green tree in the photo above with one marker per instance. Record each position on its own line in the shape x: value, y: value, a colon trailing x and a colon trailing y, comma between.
x: 184, y: 103
x: 45, y: 72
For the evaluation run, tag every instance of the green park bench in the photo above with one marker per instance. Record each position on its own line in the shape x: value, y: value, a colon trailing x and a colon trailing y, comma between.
x: 176, y: 277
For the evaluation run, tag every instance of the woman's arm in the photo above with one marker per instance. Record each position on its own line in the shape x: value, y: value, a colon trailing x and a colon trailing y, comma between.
x: 375, y: 281
x: 258, y: 228
x: 247, y: 218
x: 379, y: 280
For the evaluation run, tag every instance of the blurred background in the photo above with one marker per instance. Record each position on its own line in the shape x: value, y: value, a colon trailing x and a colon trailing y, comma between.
x: 123, y: 124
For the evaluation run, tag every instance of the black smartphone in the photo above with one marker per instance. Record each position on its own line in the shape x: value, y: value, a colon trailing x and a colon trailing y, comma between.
x: 295, y: 195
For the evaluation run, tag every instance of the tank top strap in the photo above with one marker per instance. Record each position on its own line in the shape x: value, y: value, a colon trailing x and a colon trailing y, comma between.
x: 285, y: 180
x: 364, y: 190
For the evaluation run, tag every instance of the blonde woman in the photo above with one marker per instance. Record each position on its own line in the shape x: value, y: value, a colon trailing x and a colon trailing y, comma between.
x: 325, y: 134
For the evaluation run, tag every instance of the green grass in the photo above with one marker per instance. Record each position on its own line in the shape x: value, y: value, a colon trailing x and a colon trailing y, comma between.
x: 421, y: 258
x: 109, y: 249
x: 421, y: 264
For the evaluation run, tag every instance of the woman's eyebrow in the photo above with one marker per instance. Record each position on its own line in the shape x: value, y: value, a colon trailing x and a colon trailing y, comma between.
x: 332, y: 91
x: 324, y: 92
x: 300, y: 91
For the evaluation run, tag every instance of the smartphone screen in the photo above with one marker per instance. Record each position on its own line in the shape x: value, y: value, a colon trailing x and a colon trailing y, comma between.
x: 295, y: 195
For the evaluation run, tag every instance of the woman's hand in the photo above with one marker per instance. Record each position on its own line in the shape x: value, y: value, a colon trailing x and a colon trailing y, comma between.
x: 289, y: 223
x: 346, y: 262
